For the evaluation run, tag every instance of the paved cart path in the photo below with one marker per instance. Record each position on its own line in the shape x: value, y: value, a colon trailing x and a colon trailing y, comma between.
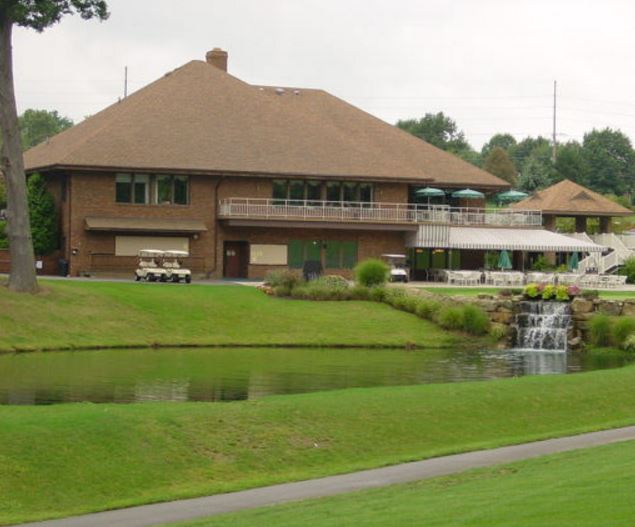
x: 190, y: 509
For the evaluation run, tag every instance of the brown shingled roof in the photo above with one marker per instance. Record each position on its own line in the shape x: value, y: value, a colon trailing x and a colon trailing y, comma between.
x: 569, y: 198
x: 199, y: 118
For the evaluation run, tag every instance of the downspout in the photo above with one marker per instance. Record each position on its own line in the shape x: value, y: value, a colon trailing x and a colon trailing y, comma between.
x: 216, y: 224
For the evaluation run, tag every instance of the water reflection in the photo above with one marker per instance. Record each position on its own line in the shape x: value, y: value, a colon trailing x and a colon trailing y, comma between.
x: 125, y: 376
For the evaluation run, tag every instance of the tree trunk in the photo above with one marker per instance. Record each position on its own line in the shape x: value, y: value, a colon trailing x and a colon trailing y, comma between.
x: 22, y: 276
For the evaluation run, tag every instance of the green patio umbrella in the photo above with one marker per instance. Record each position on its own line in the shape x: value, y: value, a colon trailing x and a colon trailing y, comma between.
x: 511, y: 195
x: 429, y: 192
x: 503, y: 260
x: 573, y: 262
x: 468, y: 193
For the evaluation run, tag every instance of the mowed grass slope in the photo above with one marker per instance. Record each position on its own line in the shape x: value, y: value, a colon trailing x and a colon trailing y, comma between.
x: 586, y: 488
x: 70, y: 459
x: 83, y: 314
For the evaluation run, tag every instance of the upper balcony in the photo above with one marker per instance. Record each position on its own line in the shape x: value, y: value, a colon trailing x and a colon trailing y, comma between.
x: 372, y: 213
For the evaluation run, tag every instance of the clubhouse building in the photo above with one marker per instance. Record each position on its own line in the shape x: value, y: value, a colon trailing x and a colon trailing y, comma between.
x: 252, y: 178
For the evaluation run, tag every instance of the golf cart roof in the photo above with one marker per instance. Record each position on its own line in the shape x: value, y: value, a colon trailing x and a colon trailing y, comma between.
x: 176, y: 254
x: 150, y: 253
x: 394, y: 256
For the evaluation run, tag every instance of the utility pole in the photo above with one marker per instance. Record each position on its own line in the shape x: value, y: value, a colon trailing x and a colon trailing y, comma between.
x: 553, y: 151
x: 125, y: 82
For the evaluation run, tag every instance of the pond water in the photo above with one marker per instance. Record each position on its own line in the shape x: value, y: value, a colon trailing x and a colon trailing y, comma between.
x: 125, y: 376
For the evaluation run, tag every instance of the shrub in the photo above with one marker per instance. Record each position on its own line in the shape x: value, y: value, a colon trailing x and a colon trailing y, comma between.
x: 43, y: 216
x: 427, y: 308
x: 541, y: 264
x: 475, y: 320
x: 450, y: 317
x: 505, y: 292
x: 600, y: 329
x: 282, y: 290
x: 532, y: 291
x: 562, y: 293
x: 283, y: 277
x: 377, y: 294
x: 372, y: 272
x: 4, y: 241
x: 498, y: 331
x: 334, y: 280
x: 359, y: 292
x: 548, y: 292
x: 629, y: 270
x: 629, y: 344
x: 393, y: 295
x: 300, y: 292
x: 590, y: 294
x: 623, y: 328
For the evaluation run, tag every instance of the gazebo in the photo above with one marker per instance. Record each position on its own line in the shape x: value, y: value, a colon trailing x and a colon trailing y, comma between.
x: 570, y: 200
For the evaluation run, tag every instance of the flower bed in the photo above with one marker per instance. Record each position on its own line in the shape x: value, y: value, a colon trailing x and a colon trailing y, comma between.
x: 559, y: 293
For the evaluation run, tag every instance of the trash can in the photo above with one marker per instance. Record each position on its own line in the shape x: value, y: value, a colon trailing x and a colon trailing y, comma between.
x: 62, y: 267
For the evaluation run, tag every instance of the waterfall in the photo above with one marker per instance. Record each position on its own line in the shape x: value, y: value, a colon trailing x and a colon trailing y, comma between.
x: 542, y: 326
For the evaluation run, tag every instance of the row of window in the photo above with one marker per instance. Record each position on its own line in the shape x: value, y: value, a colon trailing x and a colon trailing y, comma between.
x: 310, y: 190
x: 332, y: 254
x: 144, y: 189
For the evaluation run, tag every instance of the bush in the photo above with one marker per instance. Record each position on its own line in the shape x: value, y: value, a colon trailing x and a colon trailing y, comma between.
x: 333, y: 280
x: 624, y: 327
x: 359, y: 292
x: 372, y: 272
x: 4, y: 241
x: 282, y: 290
x: 600, y: 329
x: 427, y: 308
x: 629, y: 270
x: 629, y: 344
x: 43, y: 216
x: 300, y: 292
x: 562, y: 293
x: 283, y: 277
x: 548, y: 292
x: 541, y: 264
x: 377, y: 294
x: 450, y: 317
x: 532, y: 291
x: 475, y: 320
x: 590, y: 294
x: 393, y: 295
x: 498, y: 331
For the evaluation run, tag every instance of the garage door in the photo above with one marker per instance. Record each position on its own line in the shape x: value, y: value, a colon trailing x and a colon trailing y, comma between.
x: 130, y: 245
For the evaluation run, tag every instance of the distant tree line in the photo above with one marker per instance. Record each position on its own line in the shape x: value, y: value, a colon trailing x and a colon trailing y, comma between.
x: 604, y: 161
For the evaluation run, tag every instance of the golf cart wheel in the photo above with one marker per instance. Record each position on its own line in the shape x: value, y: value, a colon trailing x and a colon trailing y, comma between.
x: 137, y: 277
x: 176, y: 279
x: 163, y: 278
x: 150, y: 277
x: 188, y: 279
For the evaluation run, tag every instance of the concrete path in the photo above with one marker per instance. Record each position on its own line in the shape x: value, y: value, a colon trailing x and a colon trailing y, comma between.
x: 160, y: 513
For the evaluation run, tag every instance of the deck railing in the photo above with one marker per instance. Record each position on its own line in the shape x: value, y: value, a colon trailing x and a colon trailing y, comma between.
x: 362, y: 212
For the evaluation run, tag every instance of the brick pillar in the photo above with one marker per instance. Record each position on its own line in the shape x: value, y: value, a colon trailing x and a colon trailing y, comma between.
x: 549, y: 222
x: 580, y: 224
x: 605, y: 224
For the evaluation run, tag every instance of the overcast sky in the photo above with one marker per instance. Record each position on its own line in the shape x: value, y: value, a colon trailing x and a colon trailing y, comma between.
x: 489, y: 64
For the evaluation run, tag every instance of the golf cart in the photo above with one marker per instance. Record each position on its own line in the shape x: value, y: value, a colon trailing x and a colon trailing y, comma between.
x: 172, y: 261
x: 149, y: 267
x: 399, y: 271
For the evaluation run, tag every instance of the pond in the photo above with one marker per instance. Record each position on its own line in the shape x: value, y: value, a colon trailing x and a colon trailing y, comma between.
x: 223, y: 374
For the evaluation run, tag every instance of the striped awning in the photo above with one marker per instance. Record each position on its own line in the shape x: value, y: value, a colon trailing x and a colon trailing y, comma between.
x: 537, y: 240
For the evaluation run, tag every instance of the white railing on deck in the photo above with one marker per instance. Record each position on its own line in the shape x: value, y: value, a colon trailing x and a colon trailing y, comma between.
x: 260, y: 208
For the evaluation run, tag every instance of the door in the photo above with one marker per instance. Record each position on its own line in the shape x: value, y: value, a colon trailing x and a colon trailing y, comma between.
x: 236, y: 259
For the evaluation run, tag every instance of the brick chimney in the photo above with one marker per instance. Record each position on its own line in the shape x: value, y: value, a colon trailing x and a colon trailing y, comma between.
x: 218, y: 58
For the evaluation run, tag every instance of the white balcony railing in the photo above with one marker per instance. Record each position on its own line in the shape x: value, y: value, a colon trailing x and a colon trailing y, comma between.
x: 357, y: 212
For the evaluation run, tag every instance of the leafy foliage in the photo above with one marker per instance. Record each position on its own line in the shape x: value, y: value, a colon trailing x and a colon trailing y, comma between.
x: 499, y: 164
x: 610, y: 159
x: 600, y: 329
x: 623, y: 328
x: 371, y: 272
x: 505, y: 141
x: 4, y: 241
x: 38, y: 125
x: 41, y: 14
x: 629, y: 270
x: 43, y: 216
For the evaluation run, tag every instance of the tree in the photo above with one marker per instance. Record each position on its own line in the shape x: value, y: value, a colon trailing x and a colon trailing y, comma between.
x: 438, y: 130
x: 570, y: 163
x: 36, y: 15
x: 522, y: 150
x: 610, y: 160
x: 38, y: 125
x: 499, y: 164
x: 42, y: 215
x: 537, y: 170
x: 504, y: 141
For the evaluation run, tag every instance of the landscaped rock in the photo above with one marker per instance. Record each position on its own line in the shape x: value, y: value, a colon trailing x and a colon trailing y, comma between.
x: 502, y: 316
x: 610, y: 307
x: 628, y: 309
x: 581, y: 305
x: 575, y: 343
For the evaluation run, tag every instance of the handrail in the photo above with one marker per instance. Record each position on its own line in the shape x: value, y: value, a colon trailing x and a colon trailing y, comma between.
x: 263, y: 208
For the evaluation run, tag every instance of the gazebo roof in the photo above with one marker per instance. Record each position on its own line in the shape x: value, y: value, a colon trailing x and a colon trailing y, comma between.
x: 567, y: 198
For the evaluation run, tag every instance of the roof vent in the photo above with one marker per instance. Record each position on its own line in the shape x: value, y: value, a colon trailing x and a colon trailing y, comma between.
x: 280, y: 91
x: 217, y: 58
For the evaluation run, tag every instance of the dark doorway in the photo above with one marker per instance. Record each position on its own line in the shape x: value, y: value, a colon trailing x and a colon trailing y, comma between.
x: 235, y: 259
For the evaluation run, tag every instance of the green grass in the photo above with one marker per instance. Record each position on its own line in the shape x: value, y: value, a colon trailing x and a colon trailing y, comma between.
x: 584, y: 488
x: 86, y: 314
x: 474, y: 291
x: 75, y: 458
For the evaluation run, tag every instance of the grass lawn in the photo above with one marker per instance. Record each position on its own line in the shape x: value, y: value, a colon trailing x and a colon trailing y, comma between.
x: 74, y: 458
x: 85, y: 314
x: 584, y: 488
x: 474, y: 291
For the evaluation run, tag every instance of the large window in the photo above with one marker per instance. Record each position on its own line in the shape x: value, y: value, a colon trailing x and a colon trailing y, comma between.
x: 143, y: 189
x: 299, y: 190
x: 332, y: 254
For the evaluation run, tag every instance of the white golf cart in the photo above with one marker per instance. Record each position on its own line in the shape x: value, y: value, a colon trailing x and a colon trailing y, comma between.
x: 149, y: 266
x: 172, y: 262
x: 399, y: 271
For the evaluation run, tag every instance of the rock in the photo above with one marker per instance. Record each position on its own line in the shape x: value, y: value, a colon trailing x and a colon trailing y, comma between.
x: 628, y: 309
x: 575, y: 342
x: 581, y: 305
x: 610, y: 307
x: 484, y: 296
x: 502, y: 317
